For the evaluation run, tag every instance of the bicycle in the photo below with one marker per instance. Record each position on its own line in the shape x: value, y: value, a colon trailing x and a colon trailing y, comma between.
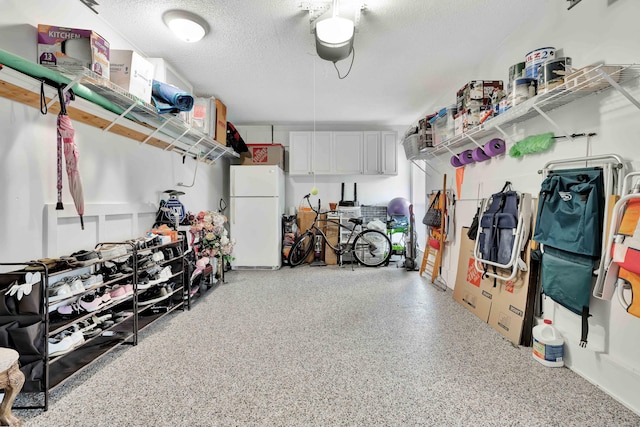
x: 369, y: 247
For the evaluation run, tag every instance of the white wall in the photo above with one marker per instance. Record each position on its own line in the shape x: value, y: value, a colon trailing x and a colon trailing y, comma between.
x: 592, y: 31
x: 116, y: 171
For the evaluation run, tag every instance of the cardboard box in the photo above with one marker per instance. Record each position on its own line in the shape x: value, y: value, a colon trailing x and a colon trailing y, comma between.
x: 477, y: 93
x: 474, y: 293
x: 264, y: 154
x: 512, y: 304
x: 221, y: 122
x: 332, y: 232
x: 73, y: 49
x: 305, y: 220
x: 475, y: 114
x: 132, y: 72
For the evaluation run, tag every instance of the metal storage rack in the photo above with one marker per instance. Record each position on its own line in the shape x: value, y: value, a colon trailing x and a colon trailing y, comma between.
x: 578, y: 85
x: 44, y: 373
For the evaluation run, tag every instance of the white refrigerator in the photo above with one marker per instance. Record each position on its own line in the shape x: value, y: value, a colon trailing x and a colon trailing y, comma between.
x: 255, y: 219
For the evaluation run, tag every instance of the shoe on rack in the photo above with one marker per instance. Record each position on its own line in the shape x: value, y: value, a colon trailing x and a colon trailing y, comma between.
x: 157, y: 256
x: 164, y: 275
x: 61, y: 346
x: 103, y: 295
x: 143, y: 283
x: 92, y: 280
x: 76, y: 336
x: 125, y: 269
x: 149, y: 271
x: 86, y: 257
x: 90, y: 333
x: 59, y: 291
x: 77, y: 287
x: 168, y: 253
x: 90, y: 302
x: 70, y: 309
x: 119, y: 292
x: 110, y: 271
x: 153, y: 295
x: 113, y: 251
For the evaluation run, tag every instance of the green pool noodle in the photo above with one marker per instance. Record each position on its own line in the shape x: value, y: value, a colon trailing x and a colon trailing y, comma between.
x: 37, y: 71
x: 532, y: 144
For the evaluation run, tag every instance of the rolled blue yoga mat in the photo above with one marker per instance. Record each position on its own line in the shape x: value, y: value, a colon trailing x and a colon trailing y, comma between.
x: 168, y: 97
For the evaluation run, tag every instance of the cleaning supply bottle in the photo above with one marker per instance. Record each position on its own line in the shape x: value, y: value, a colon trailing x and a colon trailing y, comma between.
x: 548, y: 345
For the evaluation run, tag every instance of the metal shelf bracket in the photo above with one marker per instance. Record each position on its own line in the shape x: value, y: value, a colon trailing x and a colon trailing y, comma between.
x: 619, y: 88
x: 552, y: 122
x: 64, y: 90
x: 124, y: 113
x: 176, y: 139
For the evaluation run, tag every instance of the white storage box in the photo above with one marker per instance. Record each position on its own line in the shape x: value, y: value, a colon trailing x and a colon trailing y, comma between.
x: 349, y: 211
x: 204, y: 115
x: 132, y: 72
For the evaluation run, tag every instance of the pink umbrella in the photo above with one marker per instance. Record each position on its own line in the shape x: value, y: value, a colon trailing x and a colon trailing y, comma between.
x: 71, y: 157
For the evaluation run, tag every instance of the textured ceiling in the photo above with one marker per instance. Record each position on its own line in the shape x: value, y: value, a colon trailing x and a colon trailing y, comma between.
x: 259, y: 55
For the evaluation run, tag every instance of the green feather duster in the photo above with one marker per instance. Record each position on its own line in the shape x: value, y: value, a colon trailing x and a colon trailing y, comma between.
x: 532, y: 144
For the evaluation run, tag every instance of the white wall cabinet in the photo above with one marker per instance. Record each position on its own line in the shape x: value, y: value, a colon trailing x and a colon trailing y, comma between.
x: 347, y: 152
x: 343, y: 153
x: 380, y: 153
x: 322, y: 159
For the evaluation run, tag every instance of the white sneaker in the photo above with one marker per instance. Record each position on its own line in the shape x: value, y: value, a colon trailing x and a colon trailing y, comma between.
x: 59, y: 291
x: 77, y: 287
x: 164, y: 275
x: 58, y: 347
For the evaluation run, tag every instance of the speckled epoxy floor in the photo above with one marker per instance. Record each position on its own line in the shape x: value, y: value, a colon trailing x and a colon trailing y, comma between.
x: 326, y: 346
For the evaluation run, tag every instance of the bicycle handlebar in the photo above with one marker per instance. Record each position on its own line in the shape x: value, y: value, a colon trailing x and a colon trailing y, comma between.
x: 310, y: 205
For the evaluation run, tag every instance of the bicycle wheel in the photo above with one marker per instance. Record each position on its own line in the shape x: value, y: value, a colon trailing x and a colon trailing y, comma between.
x: 301, y: 249
x: 372, y: 248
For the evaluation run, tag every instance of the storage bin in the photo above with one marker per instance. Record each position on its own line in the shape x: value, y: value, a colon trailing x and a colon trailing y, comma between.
x: 411, y: 146
x: 443, y: 125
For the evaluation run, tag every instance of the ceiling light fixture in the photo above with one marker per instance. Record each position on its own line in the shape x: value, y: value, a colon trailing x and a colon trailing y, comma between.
x: 185, y: 25
x: 334, y: 36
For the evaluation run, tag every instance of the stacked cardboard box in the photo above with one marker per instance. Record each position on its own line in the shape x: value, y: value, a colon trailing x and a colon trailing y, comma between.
x: 507, y: 306
x: 264, y: 154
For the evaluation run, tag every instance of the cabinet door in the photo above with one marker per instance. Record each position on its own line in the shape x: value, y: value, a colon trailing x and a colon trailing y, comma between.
x: 348, y: 152
x: 323, y: 162
x: 389, y: 153
x: 300, y: 145
x: 372, y: 153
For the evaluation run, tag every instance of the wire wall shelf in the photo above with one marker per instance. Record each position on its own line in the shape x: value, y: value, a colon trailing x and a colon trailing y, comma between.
x: 186, y: 139
x: 166, y: 131
x: 583, y: 82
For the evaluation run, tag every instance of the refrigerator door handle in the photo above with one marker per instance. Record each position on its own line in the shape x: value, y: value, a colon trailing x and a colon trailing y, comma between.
x: 233, y: 182
x: 233, y: 211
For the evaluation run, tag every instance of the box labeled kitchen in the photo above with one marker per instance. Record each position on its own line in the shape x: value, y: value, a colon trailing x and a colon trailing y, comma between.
x: 264, y: 154
x: 132, y: 72
x: 73, y: 49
